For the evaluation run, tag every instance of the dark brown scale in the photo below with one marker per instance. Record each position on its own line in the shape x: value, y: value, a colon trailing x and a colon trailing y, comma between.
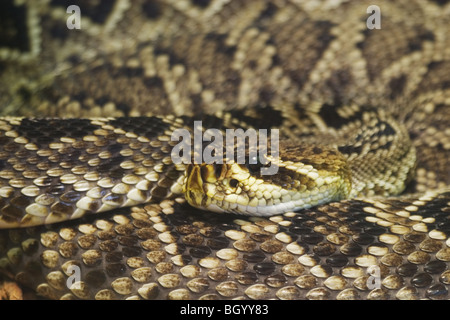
x: 186, y: 259
x: 108, y: 245
x: 159, y: 192
x: 200, y: 252
x: 125, y: 229
x: 70, y: 197
x: 313, y: 238
x: 444, y: 227
x: 148, y: 127
x: 131, y: 251
x: 421, y: 280
x: 218, y: 243
x: 264, y: 268
x: 351, y: 249
x: 435, y: 267
x: 2, y: 202
x: 21, y: 154
x: 96, y: 278
x: 186, y: 229
x: 324, y: 249
x: 114, y: 256
x: 275, y: 280
x: 414, y: 237
x: 363, y: 239
x: 31, y: 161
x: 101, y: 143
x: 115, y: 269
x: 300, y: 230
x: 193, y: 240
x: 87, y: 241
x: 165, y: 182
x: 247, y: 278
x: 94, y: 205
x: 106, y: 235
x: 375, y: 230
x: 68, y: 249
x: 54, y: 158
x: 181, y: 221
x: 93, y: 150
x: 20, y: 201
x: 80, y: 145
x: 114, y: 147
x: 437, y: 292
x: 337, y: 260
x: 254, y: 257
x: 271, y: 246
x: 407, y: 270
x: 31, y: 247
x: 11, y: 147
x: 260, y: 237
x: 179, y: 249
x: 210, y: 232
x: 430, y: 245
x: 143, y: 225
x: 108, y: 165
x: 4, y: 140
x: 68, y: 150
x: 12, y: 212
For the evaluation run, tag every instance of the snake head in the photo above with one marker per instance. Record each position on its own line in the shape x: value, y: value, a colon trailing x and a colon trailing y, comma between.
x: 316, y: 176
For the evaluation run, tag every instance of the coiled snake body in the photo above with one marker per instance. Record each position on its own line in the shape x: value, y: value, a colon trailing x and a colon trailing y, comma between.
x: 93, y: 206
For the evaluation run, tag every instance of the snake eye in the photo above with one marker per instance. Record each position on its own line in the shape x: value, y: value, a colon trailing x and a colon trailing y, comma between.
x: 233, y: 183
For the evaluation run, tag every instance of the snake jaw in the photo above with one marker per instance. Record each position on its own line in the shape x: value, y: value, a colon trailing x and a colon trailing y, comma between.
x: 232, y: 188
x: 235, y: 188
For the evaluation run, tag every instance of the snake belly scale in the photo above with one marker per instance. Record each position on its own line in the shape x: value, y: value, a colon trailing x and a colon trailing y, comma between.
x: 357, y: 210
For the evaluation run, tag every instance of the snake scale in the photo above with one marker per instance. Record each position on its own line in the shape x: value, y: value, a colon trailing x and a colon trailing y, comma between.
x: 136, y: 70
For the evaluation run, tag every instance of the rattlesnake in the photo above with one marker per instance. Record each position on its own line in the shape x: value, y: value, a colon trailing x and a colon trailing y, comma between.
x: 314, y: 70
